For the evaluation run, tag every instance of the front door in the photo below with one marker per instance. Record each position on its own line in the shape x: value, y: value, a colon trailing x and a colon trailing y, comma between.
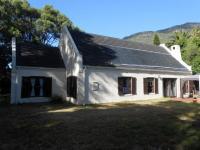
x: 169, y: 87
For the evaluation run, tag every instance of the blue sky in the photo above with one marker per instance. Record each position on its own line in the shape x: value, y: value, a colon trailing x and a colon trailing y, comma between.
x: 119, y: 18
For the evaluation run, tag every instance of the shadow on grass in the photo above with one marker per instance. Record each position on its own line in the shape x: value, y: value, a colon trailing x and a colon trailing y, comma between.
x: 164, y: 125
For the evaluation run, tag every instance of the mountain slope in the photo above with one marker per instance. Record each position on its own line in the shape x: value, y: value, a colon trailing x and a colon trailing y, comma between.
x: 164, y: 34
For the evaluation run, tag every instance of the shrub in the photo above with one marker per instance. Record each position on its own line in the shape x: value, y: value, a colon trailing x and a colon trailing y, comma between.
x: 57, y: 99
x: 4, y: 99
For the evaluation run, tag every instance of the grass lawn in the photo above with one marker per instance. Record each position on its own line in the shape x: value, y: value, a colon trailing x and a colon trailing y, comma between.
x: 161, y: 125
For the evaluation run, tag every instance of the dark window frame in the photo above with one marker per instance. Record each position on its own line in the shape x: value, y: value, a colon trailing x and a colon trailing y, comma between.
x: 127, y: 82
x: 26, y: 86
x: 150, y: 85
x: 72, y: 86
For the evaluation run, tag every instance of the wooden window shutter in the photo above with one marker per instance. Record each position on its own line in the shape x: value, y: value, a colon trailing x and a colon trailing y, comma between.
x: 134, y: 88
x: 156, y: 85
x: 47, y: 87
x: 185, y: 88
x: 120, y: 86
x: 145, y: 84
x: 72, y: 87
x: 37, y: 86
x: 129, y: 83
x: 26, y: 87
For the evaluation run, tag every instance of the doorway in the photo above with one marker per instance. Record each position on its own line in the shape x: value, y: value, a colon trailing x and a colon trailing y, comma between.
x: 169, y: 87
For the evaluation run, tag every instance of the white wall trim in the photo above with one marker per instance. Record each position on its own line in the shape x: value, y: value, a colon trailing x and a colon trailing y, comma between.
x: 149, y: 66
x: 14, y: 74
x: 140, y: 69
x: 79, y: 56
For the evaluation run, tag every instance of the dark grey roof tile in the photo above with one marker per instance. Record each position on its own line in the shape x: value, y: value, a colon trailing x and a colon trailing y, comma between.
x: 106, y: 51
x: 38, y: 55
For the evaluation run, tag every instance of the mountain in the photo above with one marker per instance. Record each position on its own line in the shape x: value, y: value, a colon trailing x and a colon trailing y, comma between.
x: 164, y: 34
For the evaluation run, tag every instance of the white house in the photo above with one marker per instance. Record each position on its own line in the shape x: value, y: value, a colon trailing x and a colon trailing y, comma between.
x: 90, y: 68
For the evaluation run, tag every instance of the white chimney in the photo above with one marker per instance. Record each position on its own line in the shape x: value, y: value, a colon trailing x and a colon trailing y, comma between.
x: 176, y: 51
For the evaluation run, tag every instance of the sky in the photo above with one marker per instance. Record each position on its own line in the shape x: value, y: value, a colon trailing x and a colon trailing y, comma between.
x: 120, y: 18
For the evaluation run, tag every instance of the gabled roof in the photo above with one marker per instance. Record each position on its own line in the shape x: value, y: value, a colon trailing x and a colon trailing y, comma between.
x: 38, y: 55
x: 100, y: 50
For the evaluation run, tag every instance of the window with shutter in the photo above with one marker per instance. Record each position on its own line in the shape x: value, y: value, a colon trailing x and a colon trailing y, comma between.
x: 150, y: 85
x: 72, y: 86
x: 36, y: 87
x: 126, y: 85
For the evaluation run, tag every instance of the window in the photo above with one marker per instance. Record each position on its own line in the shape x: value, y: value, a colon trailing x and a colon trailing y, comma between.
x: 72, y: 86
x: 150, y: 85
x: 36, y: 87
x: 126, y: 85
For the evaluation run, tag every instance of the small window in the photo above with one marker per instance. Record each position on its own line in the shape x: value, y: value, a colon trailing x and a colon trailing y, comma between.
x: 126, y: 85
x: 150, y: 85
x: 72, y: 86
x: 36, y: 87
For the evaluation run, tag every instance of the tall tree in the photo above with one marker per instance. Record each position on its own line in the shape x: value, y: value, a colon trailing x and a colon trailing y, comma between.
x: 49, y: 25
x: 19, y: 19
x: 190, y: 47
x: 156, y: 40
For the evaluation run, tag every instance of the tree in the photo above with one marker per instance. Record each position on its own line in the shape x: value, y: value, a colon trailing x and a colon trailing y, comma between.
x: 18, y: 19
x: 49, y: 25
x: 179, y: 38
x: 190, y: 47
x: 156, y: 40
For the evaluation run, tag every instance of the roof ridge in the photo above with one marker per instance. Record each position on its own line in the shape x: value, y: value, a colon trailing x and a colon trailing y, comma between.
x: 135, y: 49
x: 133, y: 42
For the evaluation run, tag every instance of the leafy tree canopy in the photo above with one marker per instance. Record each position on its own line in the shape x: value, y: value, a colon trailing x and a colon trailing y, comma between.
x: 19, y: 19
x: 190, y: 47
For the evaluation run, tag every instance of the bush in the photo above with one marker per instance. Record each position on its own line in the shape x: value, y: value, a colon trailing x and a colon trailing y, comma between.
x: 4, y: 99
x: 5, y: 85
x: 57, y: 99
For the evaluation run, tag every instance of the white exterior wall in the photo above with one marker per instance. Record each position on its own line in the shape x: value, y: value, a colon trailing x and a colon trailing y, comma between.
x: 73, y: 63
x: 108, y: 81
x: 58, y: 83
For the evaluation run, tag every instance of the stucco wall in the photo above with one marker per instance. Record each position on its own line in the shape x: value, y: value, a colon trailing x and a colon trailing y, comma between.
x: 58, y: 82
x: 108, y: 81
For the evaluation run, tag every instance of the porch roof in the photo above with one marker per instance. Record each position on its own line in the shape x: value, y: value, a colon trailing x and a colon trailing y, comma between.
x: 192, y: 78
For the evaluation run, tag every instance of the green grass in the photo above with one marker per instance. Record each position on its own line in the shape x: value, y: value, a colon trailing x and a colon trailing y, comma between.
x: 163, y: 125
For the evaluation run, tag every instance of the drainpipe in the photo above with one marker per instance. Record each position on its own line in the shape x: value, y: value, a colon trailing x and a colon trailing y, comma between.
x: 13, y: 73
